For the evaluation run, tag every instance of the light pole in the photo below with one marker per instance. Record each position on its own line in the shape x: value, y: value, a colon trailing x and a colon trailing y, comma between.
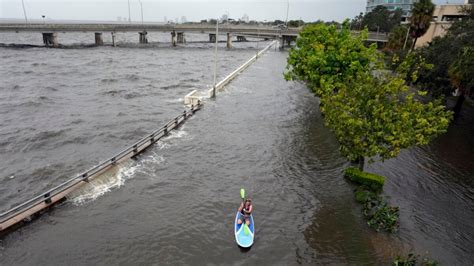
x: 287, y: 10
x: 406, y: 37
x: 141, y: 6
x: 24, y: 11
x: 43, y: 19
x: 129, y: 18
x: 215, y: 61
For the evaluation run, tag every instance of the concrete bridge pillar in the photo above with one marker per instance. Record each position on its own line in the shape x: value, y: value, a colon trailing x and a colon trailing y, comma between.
x: 142, y: 37
x: 98, y: 38
x: 114, y: 43
x: 173, y: 38
x: 286, y: 39
x: 180, y: 37
x: 229, y: 40
x: 50, y: 39
x: 212, y: 37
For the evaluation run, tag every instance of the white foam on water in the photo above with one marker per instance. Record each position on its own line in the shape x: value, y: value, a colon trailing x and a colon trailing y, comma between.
x: 153, y: 159
x: 162, y: 145
x: 179, y: 100
x: 177, y: 134
x: 112, y: 179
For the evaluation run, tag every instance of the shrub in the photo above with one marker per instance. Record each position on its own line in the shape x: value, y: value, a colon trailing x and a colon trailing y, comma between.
x: 413, y: 260
x: 372, y: 181
x: 364, y: 195
x: 382, y: 217
x: 379, y: 215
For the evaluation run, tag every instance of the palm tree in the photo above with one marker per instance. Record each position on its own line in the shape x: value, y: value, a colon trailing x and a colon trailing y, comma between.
x: 420, y: 19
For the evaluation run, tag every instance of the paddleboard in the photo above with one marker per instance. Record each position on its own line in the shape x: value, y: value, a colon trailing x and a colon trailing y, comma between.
x: 243, y: 237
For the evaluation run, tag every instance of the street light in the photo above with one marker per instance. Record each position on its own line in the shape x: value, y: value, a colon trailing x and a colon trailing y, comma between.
x: 129, y: 18
x: 24, y: 11
x: 43, y: 19
x: 141, y: 5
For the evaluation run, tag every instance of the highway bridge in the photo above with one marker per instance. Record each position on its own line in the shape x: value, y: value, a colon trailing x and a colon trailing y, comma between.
x: 51, y: 30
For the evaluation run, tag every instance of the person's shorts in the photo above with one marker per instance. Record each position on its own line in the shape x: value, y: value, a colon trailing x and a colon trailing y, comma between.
x: 244, y: 217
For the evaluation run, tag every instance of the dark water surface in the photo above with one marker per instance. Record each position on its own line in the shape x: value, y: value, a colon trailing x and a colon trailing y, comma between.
x: 63, y: 110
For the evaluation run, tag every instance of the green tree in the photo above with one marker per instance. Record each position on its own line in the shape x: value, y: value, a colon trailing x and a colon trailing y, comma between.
x: 357, y: 22
x: 295, y: 23
x: 397, y: 38
x: 461, y: 74
x: 326, y: 56
x: 381, y: 19
x: 370, y: 110
x: 420, y: 20
x: 442, y: 52
x: 376, y: 115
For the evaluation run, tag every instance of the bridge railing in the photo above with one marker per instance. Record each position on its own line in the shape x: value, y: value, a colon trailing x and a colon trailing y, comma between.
x: 55, y: 194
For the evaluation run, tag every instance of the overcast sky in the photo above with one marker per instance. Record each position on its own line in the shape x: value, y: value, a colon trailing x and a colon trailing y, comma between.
x: 193, y: 10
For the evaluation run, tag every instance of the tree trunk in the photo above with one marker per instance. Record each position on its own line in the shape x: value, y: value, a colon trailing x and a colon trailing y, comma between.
x: 360, y: 163
x: 413, y: 45
x: 458, y: 106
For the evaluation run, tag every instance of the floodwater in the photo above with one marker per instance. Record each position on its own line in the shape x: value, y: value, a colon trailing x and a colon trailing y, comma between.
x: 64, y: 110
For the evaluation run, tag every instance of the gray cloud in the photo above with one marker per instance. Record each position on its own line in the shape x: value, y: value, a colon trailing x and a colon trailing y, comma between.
x: 193, y: 10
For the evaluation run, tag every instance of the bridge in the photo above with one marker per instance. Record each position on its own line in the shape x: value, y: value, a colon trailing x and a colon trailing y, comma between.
x: 50, y: 31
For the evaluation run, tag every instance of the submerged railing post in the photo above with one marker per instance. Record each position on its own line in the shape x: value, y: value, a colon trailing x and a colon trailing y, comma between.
x: 47, y: 197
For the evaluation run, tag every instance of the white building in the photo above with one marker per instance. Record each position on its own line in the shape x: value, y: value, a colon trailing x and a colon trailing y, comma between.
x: 245, y: 18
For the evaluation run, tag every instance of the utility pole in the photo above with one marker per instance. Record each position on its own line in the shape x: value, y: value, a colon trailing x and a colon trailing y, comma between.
x: 287, y: 10
x: 129, y: 16
x: 215, y: 61
x: 24, y: 11
x: 141, y: 5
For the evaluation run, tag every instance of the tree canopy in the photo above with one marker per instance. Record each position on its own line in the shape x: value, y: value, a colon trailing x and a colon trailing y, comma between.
x: 325, y: 57
x: 420, y: 19
x: 371, y: 110
x: 379, y: 19
x: 446, y: 54
x: 398, y: 38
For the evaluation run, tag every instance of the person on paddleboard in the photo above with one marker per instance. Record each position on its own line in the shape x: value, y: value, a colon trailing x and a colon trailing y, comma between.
x: 245, y: 209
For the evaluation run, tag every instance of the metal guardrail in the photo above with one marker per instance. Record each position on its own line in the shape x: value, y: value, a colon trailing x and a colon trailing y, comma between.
x: 234, y: 73
x: 52, y: 196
